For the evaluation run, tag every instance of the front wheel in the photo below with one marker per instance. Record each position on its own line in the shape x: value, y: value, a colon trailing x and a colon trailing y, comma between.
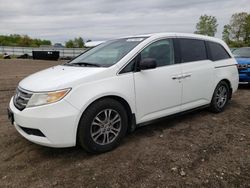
x: 102, y: 126
x: 220, y: 97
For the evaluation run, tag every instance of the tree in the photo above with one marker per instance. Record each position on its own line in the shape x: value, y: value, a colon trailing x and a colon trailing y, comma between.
x: 246, y: 30
x: 237, y: 23
x: 76, y: 43
x: 226, y: 33
x: 207, y: 25
x: 237, y: 33
x: 79, y: 42
x: 69, y: 44
x: 21, y: 40
x: 25, y: 41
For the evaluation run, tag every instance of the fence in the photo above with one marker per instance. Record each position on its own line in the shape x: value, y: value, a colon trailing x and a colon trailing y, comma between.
x: 17, y: 51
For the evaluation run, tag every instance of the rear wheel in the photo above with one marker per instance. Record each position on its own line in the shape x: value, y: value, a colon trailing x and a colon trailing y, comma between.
x: 102, y: 126
x: 220, y: 97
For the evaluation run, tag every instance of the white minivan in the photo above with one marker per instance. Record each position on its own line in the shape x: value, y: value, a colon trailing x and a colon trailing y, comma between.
x: 111, y: 89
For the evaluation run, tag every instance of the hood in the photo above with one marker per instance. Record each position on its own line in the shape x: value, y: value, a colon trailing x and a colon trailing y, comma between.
x: 58, y: 77
x: 241, y: 60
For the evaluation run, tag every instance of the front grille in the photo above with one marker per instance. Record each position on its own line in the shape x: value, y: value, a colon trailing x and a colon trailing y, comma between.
x: 21, y: 98
x: 242, y: 66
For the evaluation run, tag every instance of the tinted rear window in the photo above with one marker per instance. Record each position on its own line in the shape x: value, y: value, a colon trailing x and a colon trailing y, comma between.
x: 192, y: 50
x: 217, y: 51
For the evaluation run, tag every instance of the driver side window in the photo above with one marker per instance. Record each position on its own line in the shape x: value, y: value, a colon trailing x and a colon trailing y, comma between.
x: 162, y: 51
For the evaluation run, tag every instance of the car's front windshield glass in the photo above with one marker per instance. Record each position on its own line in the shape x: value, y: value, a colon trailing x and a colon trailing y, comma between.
x: 242, y: 52
x: 106, y: 54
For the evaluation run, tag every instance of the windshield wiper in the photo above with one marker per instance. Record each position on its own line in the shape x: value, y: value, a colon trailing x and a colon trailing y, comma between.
x: 84, y: 64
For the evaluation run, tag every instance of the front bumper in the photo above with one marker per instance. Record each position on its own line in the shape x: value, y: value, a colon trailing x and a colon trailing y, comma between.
x: 244, y: 77
x: 57, y: 122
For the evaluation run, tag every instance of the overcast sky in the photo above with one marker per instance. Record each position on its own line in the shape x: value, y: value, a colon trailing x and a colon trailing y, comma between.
x: 60, y: 20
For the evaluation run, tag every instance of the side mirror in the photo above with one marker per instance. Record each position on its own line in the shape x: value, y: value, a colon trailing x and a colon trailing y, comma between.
x: 147, y: 63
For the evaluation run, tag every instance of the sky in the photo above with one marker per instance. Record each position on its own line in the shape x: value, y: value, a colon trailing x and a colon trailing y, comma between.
x: 61, y: 20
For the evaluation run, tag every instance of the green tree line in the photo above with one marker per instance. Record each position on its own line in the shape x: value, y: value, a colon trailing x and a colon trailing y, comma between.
x: 75, y: 43
x: 21, y: 40
x: 236, y: 33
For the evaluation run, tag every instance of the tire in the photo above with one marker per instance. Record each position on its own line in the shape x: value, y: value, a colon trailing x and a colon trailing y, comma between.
x: 102, y: 126
x: 220, y: 97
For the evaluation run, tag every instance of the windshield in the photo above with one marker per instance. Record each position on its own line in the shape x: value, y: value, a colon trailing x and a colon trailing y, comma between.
x: 106, y: 54
x: 242, y: 52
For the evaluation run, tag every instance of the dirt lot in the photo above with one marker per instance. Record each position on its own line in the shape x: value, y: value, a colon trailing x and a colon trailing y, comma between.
x: 200, y: 149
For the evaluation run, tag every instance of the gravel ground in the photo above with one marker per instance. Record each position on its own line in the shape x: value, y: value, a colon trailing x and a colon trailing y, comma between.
x: 199, y: 149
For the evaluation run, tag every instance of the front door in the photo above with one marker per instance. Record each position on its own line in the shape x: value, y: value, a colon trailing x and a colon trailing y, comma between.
x: 159, y: 90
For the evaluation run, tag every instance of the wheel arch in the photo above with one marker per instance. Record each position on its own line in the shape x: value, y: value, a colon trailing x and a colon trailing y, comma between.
x: 125, y: 103
x: 229, y: 86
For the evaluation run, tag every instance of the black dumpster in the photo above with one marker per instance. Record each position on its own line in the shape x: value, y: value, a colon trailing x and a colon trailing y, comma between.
x: 46, y: 55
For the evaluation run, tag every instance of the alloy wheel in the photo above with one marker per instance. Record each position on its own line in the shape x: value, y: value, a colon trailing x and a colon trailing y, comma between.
x: 221, y: 96
x: 106, y: 126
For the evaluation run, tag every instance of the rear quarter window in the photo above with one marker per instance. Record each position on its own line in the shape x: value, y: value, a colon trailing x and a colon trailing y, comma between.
x: 192, y: 50
x: 217, y: 51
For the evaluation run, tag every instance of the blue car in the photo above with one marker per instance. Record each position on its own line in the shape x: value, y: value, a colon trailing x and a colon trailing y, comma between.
x: 242, y: 55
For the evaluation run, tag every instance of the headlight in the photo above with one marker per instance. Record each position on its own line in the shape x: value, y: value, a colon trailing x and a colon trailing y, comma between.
x: 38, y: 99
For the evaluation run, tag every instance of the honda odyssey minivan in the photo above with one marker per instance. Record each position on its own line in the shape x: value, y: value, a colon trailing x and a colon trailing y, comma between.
x: 96, y: 98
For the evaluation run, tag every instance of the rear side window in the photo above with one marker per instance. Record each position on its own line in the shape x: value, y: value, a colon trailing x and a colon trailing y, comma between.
x: 192, y: 50
x: 217, y: 51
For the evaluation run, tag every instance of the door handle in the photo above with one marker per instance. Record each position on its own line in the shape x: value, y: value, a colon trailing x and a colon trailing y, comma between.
x: 176, y: 77
x: 186, y: 75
